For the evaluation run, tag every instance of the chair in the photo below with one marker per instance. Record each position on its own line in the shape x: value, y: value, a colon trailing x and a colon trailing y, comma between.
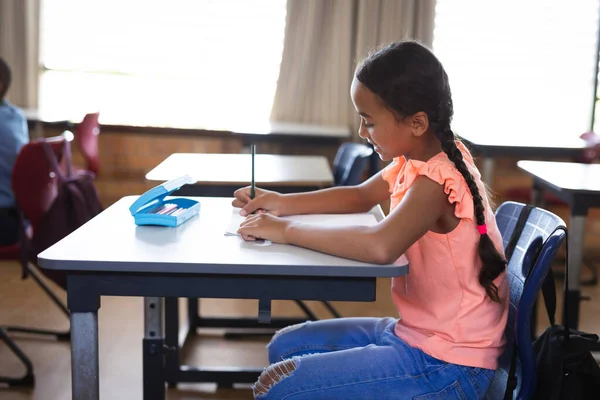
x: 350, y: 162
x: 13, y: 252
x: 86, y: 137
x: 536, y: 238
x: 35, y: 188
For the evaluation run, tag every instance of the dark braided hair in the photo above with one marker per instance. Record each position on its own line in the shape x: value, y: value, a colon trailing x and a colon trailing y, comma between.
x: 409, y: 78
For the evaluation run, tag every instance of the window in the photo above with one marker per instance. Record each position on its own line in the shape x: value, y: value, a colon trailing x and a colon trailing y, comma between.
x: 519, y: 66
x: 184, y: 63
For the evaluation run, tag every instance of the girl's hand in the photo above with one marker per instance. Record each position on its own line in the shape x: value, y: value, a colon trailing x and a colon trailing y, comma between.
x: 264, y: 226
x: 266, y: 200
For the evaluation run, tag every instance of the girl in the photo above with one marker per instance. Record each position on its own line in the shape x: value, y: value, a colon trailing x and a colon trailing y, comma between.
x: 453, y: 304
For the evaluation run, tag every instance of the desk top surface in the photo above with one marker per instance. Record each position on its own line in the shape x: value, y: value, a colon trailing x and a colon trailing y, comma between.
x: 112, y: 242
x: 567, y: 176
x: 518, y: 140
x: 236, y: 169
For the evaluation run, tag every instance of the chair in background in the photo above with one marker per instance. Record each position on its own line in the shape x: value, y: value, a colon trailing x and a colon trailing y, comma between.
x: 535, y: 248
x: 13, y: 252
x: 35, y: 188
x: 350, y: 163
x: 86, y: 137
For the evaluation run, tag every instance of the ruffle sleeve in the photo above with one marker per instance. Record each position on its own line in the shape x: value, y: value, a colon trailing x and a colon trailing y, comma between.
x: 391, y: 172
x: 443, y: 173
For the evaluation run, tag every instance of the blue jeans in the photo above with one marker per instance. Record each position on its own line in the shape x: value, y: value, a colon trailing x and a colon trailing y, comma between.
x: 362, y: 358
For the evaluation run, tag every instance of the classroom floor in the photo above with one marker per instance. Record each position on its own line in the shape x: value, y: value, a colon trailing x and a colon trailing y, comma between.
x: 121, y: 330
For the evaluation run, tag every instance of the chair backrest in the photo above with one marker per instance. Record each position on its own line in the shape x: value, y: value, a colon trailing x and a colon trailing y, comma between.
x: 536, y: 248
x: 350, y: 163
x: 86, y: 136
x: 34, y: 184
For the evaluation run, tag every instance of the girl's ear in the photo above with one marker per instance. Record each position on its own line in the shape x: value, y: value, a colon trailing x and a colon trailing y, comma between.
x: 419, y: 123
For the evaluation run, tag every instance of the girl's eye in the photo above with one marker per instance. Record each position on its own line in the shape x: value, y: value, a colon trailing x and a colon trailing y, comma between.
x: 368, y: 125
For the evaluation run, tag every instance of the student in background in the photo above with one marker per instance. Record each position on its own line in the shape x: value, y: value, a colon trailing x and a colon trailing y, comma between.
x: 14, y: 134
x: 453, y: 304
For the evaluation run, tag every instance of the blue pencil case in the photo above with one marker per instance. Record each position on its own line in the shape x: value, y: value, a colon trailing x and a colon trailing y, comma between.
x: 152, y: 208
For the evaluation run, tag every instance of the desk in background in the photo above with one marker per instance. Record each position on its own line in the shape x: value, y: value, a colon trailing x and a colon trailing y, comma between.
x: 578, y: 185
x: 489, y: 146
x: 219, y: 175
x: 110, y: 256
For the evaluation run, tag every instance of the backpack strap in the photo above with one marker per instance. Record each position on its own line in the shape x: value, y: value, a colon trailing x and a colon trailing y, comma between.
x: 511, y: 382
x: 67, y: 154
x: 51, y: 157
x: 549, y: 294
x: 549, y: 288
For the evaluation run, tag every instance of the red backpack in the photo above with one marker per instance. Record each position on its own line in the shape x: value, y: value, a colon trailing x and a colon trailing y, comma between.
x: 75, y: 203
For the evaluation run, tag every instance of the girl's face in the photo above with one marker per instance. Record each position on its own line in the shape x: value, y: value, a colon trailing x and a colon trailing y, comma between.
x: 390, y: 135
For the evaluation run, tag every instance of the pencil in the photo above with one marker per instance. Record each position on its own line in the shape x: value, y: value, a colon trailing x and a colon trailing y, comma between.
x: 252, y: 189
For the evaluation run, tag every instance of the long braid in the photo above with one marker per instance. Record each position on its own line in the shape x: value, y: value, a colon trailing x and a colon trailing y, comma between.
x: 493, y: 264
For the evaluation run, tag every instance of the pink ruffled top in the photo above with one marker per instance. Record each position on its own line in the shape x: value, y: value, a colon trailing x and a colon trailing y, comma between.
x: 443, y: 309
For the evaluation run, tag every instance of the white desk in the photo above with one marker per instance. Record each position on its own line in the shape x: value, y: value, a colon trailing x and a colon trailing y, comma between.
x: 489, y: 145
x: 110, y: 256
x: 222, y: 174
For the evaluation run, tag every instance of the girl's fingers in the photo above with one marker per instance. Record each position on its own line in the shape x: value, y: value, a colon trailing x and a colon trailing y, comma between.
x: 245, y: 226
x: 242, y: 197
x: 245, y: 196
x: 250, y: 219
x: 238, y: 203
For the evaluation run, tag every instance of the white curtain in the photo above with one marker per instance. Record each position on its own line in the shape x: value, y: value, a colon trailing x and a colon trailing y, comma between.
x: 19, y: 46
x: 323, y: 42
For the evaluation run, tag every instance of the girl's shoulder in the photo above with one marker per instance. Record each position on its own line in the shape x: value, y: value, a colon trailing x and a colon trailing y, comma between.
x: 402, y: 173
x: 438, y: 167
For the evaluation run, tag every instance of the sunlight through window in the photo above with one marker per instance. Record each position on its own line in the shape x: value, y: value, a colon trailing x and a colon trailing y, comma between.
x: 517, y: 67
x: 187, y: 63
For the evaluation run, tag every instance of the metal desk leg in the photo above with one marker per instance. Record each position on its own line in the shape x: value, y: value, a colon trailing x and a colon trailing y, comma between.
x: 487, y: 173
x: 153, y: 362
x: 173, y: 341
x: 193, y: 306
x: 575, y: 237
x: 83, y: 303
x: 84, y: 355
x: 537, y: 198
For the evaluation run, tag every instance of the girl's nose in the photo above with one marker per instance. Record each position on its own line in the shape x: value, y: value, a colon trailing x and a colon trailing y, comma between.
x: 362, y: 132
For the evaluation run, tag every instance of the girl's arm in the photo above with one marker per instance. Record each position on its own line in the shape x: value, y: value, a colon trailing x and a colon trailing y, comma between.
x: 342, y: 199
x: 347, y: 199
x: 424, y: 203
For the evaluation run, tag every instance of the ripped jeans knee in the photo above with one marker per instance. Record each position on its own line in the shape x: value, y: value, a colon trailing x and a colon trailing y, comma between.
x: 272, y: 375
x: 282, y: 344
